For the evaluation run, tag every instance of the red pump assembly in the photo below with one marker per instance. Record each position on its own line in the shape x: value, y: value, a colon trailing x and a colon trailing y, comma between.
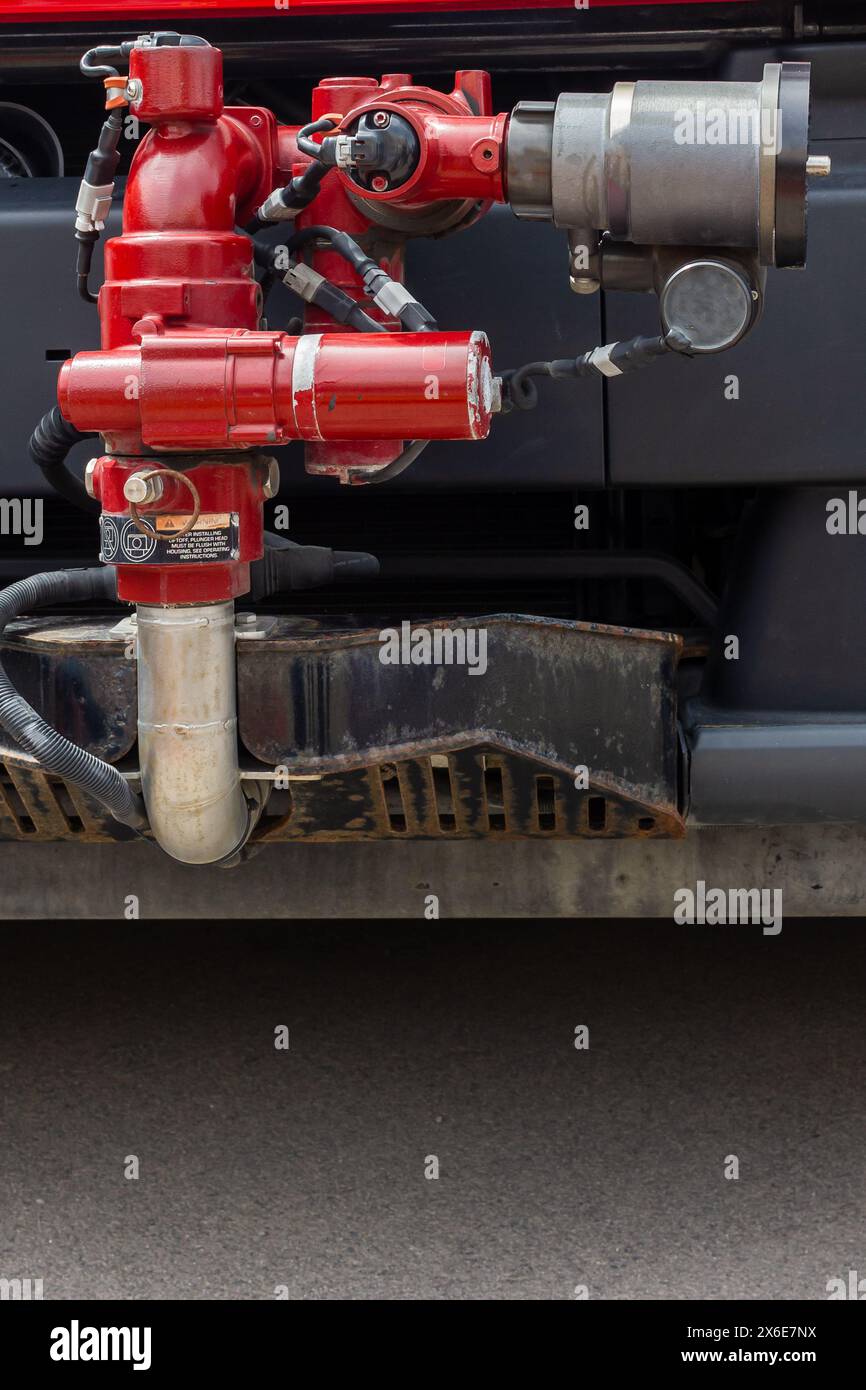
x: 187, y: 368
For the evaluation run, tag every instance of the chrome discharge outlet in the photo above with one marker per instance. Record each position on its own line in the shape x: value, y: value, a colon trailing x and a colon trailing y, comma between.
x: 187, y: 733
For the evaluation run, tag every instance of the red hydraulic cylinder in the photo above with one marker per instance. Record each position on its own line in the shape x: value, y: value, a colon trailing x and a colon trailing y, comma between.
x: 211, y: 391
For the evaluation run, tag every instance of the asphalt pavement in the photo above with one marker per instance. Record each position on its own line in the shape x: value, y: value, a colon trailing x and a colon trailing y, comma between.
x: 417, y: 1047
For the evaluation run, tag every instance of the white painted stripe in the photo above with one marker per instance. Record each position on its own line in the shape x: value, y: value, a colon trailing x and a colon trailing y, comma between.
x: 304, y: 376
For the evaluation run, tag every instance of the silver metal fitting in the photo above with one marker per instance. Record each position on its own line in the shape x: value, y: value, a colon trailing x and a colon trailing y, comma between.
x: 600, y: 359
x: 273, y: 209
x: 393, y: 297
x: 134, y: 91
x: 143, y: 490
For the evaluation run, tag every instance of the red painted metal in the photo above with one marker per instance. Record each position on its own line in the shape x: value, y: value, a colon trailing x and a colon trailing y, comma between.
x: 460, y: 143
x: 49, y: 11
x: 226, y: 489
x: 182, y: 392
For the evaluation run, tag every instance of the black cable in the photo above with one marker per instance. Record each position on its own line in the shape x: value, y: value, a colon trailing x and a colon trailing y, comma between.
x: 308, y: 146
x: 31, y: 733
x: 388, y: 294
x: 326, y: 295
x: 86, y: 242
x: 49, y: 446
x: 344, y: 245
x: 521, y: 393
x: 296, y: 195
x: 95, y: 61
x: 99, y: 174
x: 301, y: 191
x: 397, y: 466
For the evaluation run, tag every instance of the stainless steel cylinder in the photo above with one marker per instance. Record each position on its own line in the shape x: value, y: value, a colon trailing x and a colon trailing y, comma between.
x: 187, y: 731
x: 719, y: 164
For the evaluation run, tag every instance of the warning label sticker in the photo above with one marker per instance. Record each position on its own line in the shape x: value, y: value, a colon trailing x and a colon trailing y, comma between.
x: 213, y: 539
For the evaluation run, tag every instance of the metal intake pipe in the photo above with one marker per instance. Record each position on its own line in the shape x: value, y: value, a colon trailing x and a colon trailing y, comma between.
x: 187, y: 732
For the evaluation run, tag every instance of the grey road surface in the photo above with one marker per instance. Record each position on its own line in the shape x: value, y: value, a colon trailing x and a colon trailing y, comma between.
x: 307, y: 1168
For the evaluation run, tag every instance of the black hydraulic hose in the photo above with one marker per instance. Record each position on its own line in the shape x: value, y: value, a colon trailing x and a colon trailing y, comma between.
x: 355, y: 564
x: 49, y: 445
x: 54, y: 753
x: 358, y: 563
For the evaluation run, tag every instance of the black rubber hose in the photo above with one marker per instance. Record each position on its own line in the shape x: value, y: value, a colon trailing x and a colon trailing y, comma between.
x: 53, y: 752
x: 49, y: 446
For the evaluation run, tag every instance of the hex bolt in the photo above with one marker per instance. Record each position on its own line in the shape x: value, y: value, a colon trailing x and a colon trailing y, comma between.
x: 142, y: 490
x: 134, y: 89
x: 379, y: 184
x: 381, y: 119
x: 89, y: 471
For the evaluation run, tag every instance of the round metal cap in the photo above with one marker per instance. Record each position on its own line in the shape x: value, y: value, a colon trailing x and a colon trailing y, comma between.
x: 709, y: 301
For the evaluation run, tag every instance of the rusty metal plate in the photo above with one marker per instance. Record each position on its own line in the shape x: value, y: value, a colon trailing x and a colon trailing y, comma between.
x: 372, y: 751
x: 554, y: 696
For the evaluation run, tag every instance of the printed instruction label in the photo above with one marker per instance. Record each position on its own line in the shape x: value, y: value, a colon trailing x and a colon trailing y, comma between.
x: 214, y: 538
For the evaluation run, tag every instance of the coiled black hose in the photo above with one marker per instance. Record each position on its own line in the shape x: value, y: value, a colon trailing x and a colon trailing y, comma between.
x: 31, y: 733
x: 49, y: 445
